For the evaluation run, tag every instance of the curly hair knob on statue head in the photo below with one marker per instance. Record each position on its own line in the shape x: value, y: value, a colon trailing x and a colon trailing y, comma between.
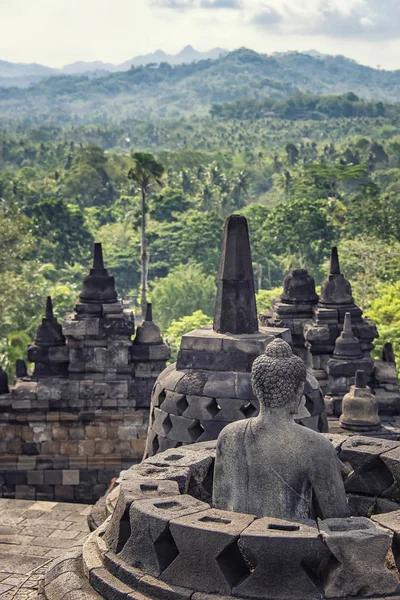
x: 277, y: 375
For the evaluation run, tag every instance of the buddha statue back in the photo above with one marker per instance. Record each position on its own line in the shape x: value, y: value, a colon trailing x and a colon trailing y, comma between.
x: 269, y: 465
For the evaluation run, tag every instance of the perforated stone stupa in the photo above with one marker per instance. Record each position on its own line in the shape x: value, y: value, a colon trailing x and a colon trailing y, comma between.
x: 210, y: 384
x: 333, y: 338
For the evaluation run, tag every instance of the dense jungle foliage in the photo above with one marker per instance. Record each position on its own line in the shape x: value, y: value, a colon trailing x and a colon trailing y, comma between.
x: 307, y: 171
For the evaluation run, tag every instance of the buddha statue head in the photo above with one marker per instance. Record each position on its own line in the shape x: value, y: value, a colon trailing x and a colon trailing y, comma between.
x: 278, y: 377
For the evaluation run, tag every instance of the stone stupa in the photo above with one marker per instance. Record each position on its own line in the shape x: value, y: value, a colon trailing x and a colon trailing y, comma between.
x: 210, y: 384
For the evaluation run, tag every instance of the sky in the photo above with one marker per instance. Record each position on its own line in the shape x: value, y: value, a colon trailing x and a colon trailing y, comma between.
x: 58, y: 32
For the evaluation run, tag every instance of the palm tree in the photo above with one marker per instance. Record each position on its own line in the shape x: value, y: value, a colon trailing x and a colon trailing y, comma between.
x: 146, y: 172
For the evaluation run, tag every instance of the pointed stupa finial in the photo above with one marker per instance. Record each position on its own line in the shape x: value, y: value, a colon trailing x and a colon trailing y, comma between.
x: 235, y: 307
x: 360, y: 380
x: 335, y: 266
x: 388, y: 353
x: 347, y: 323
x: 4, y: 389
x: 99, y: 285
x: 98, y: 262
x: 49, y: 308
x: 347, y: 345
x: 149, y: 312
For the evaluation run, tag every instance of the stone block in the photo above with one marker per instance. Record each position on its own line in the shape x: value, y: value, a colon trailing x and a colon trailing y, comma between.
x: 182, y: 429
x: 69, y: 448
x: 58, y: 354
x: 385, y: 372
x: 361, y: 506
x: 155, y: 588
x: 86, y: 389
x: 117, y: 354
x: 25, y: 492
x: 86, y: 447
x: 53, y: 477
x: 359, y: 548
x: 243, y: 388
x: 104, y: 446
x: 74, y: 328
x: 392, y: 461
x: 371, y: 476
x: 35, y: 477
x: 92, y: 327
x: 50, y: 448
x: 203, y: 339
x: 69, y: 390
x: 391, y: 521
x: 211, y: 430
x: 48, y: 390
x: 209, y: 558
x: 170, y: 402
x: 220, y: 385
x: 150, y: 546
x: 197, y: 407
x: 282, y: 559
x: 160, y: 352
x: 64, y: 493
x: 154, y: 471
x: 99, y: 355
x: 59, y: 432
x: 233, y: 409
x: 118, y: 389
x: 70, y: 477
x: 24, y: 390
x: 117, y: 532
x: 100, y: 390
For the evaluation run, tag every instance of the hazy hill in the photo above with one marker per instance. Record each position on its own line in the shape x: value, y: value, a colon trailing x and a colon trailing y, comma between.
x: 173, y: 90
x: 22, y: 75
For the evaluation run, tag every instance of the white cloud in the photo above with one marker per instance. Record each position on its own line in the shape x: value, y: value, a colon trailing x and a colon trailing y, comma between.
x: 57, y: 32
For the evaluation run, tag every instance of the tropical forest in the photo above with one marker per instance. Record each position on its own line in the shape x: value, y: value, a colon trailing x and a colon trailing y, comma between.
x: 306, y: 147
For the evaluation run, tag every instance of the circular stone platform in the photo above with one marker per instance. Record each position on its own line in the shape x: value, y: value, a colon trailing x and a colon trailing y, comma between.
x: 165, y: 542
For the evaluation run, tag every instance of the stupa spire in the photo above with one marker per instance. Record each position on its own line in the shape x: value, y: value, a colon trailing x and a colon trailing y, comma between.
x: 149, y: 312
x: 235, y: 307
x: 49, y: 308
x: 98, y: 262
x: 99, y: 285
x: 335, y: 266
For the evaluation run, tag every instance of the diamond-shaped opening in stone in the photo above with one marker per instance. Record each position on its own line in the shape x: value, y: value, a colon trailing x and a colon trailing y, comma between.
x: 160, y: 399
x: 155, y: 445
x: 167, y: 425
x: 248, y: 410
x: 213, y: 408
x: 124, y: 530
x: 232, y: 564
x: 181, y: 405
x: 196, y: 430
x: 166, y: 549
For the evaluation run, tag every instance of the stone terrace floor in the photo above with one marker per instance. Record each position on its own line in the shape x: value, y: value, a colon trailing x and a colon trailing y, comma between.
x: 32, y: 534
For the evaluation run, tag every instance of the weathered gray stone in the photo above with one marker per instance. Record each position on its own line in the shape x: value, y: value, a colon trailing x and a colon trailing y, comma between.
x: 235, y: 308
x: 220, y: 385
x: 282, y: 555
x: 117, y: 532
x: 207, y: 543
x: 370, y: 474
x: 254, y: 471
x: 359, y: 548
x: 150, y: 546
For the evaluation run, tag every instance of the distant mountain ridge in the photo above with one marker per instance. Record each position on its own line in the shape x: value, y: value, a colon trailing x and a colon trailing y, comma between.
x: 22, y: 74
x: 151, y: 92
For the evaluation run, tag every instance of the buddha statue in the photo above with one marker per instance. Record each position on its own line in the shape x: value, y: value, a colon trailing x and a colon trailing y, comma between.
x: 270, y: 466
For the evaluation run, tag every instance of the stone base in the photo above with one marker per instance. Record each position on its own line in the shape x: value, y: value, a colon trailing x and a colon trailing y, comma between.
x: 68, y: 457
x: 160, y: 547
